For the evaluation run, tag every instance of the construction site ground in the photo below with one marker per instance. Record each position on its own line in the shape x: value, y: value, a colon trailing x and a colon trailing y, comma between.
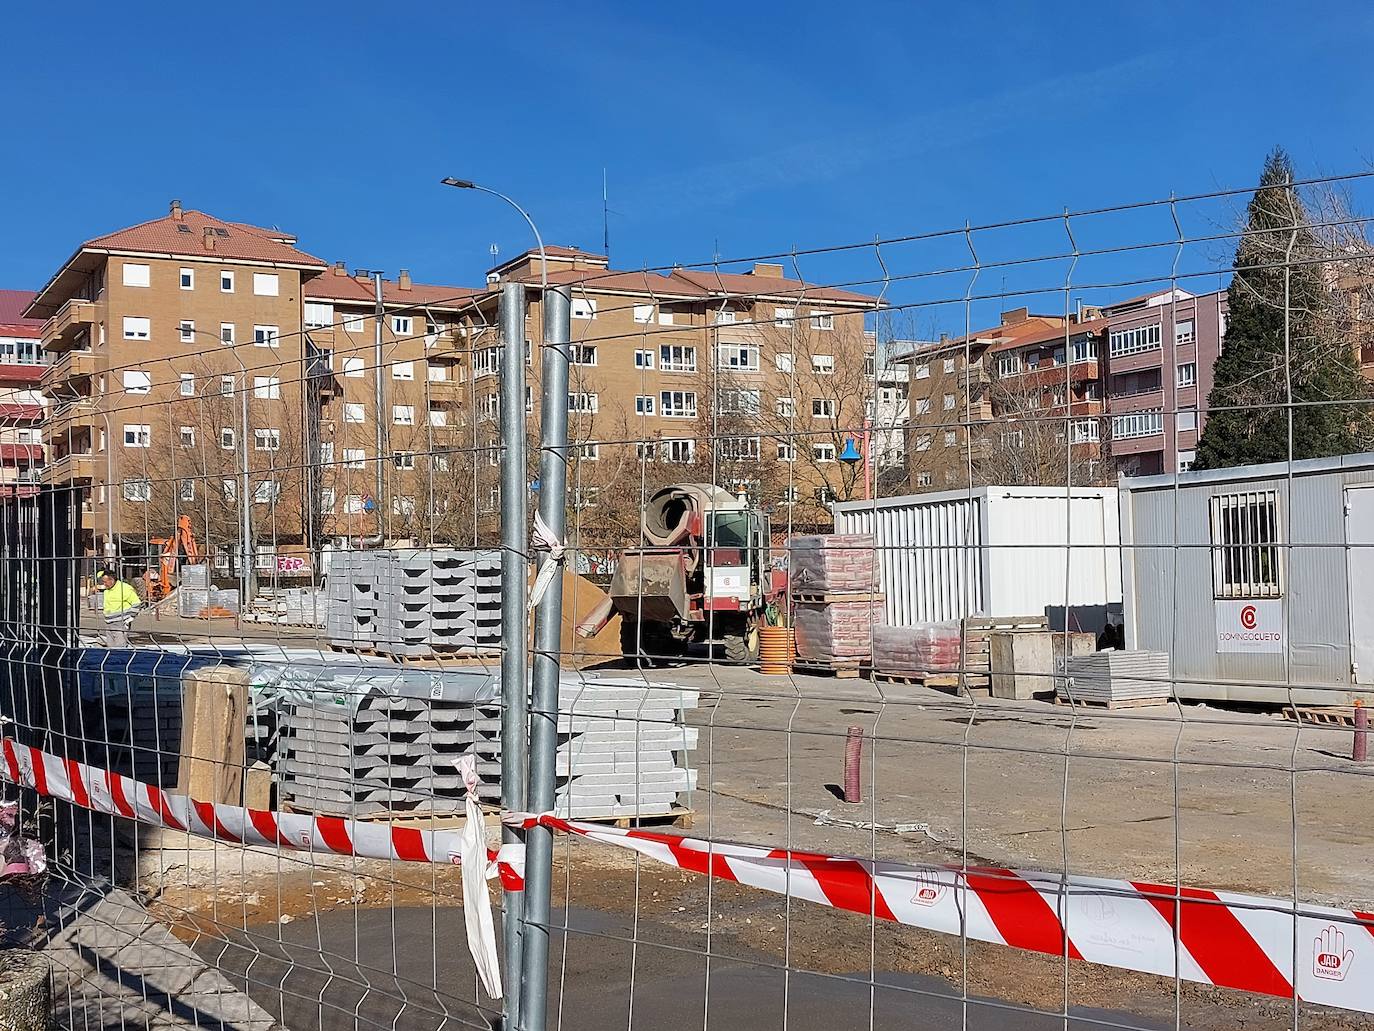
x: 1215, y: 798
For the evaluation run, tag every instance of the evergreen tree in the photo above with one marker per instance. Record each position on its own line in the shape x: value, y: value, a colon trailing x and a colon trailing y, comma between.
x: 1279, y: 289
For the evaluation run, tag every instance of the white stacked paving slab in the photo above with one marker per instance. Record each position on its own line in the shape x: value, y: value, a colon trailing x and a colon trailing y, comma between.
x: 415, y: 601
x: 1115, y: 676
x: 358, y: 743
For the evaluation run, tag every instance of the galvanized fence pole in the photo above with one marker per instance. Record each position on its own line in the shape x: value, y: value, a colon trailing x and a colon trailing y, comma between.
x: 548, y: 626
x: 514, y: 618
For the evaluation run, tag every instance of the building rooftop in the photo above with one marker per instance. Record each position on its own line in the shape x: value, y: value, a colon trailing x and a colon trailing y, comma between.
x: 338, y: 286
x: 13, y: 321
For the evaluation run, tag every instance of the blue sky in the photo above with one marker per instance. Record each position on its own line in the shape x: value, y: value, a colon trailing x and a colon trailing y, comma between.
x: 736, y: 129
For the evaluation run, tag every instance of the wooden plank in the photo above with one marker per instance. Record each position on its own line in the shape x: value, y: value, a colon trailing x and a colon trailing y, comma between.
x: 828, y: 597
x: 1119, y: 703
x: 214, y: 703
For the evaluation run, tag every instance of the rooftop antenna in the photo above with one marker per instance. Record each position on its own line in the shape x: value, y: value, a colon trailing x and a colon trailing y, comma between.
x: 605, y: 217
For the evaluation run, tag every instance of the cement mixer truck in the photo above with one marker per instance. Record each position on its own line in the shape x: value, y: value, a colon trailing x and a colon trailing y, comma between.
x: 704, y: 578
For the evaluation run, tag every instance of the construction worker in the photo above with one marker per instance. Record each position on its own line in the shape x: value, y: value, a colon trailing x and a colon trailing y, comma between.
x: 120, y: 604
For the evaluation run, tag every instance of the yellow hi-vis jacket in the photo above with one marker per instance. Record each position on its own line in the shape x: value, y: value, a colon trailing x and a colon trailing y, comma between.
x: 120, y: 598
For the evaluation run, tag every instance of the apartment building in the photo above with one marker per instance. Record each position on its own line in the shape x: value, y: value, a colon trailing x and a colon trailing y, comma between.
x: 1158, y: 362
x: 752, y: 379
x: 386, y: 403
x: 177, y: 359
x: 21, y: 402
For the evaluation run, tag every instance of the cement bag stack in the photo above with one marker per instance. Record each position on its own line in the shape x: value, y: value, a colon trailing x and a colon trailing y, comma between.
x: 833, y: 582
x: 923, y: 648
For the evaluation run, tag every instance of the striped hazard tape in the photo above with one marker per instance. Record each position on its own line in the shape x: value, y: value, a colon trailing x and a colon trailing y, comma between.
x: 1245, y: 942
x: 1225, y: 939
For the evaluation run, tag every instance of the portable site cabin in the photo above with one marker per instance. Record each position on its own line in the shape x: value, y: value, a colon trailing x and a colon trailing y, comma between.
x: 995, y: 551
x: 1255, y: 578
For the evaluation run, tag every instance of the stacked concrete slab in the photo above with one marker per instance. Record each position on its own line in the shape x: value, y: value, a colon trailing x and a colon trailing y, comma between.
x: 363, y: 743
x: 416, y: 602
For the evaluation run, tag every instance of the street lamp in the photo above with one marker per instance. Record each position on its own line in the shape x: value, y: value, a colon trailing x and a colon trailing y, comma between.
x: 468, y: 184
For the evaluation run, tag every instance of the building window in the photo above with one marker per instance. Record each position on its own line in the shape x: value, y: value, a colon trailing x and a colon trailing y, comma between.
x: 735, y: 401
x: 949, y: 402
x: 1134, y: 340
x: 353, y: 368
x: 678, y: 404
x: 353, y: 411
x: 188, y: 490
x: 403, y: 371
x: 403, y: 459
x: 137, y: 435
x: 586, y: 403
x: 644, y: 404
x: 951, y: 438
x: 823, y: 452
x: 739, y: 449
x: 353, y: 504
x: 138, y: 490
x: 188, y: 279
x: 785, y: 407
x: 588, y: 452
x: 787, y: 452
x: 923, y: 442
x: 354, y: 458
x: 437, y: 373
x: 226, y: 281
x: 318, y: 315
x: 923, y: 406
x: 644, y: 359
x: 266, y: 388
x: 677, y: 358
x: 266, y: 284
x: 737, y: 358
x: 137, y: 328
x: 923, y: 370
x: 267, y: 440
x: 438, y: 417
x: 1245, y: 545
x: 266, y: 492
x: 188, y: 384
x: 1084, y: 431
x: 583, y: 308
x: 822, y: 408
x: 723, y: 317
x: 354, y: 323
x: 403, y: 415
x: 1186, y: 420
x: 187, y: 329
x: 326, y: 500
x: 582, y: 354
x: 645, y: 451
x: 402, y: 325
x: 226, y: 333
x: 644, y: 313
x: 226, y: 438
x: 679, y: 451
x: 230, y: 490
x: 782, y: 362
x: 135, y: 275
x: 822, y: 320
x: 949, y: 365
x: 924, y: 479
x: 1137, y: 424
x: 266, y: 336
x: 188, y: 436
x: 785, y: 317
x: 1185, y: 460
x: 666, y: 317
x: 1008, y: 365
x: 1187, y: 374
x: 823, y: 364
x: 1185, y: 331
x: 137, y: 381
x: 1084, y: 348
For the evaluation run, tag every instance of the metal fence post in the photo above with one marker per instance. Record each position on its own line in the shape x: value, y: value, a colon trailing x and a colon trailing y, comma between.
x: 514, y: 618
x: 548, y: 630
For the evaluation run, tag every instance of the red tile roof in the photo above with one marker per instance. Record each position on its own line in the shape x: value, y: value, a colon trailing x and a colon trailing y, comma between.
x: 12, y: 320
x: 737, y: 284
x: 1051, y: 334
x: 185, y: 235
x: 346, y: 288
x: 698, y: 285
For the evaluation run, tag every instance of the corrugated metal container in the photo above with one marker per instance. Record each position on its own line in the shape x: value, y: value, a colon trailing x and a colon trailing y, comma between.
x: 1294, y: 572
x: 994, y: 551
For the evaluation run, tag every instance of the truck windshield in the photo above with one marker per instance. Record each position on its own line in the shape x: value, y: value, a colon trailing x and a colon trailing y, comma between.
x: 731, y: 530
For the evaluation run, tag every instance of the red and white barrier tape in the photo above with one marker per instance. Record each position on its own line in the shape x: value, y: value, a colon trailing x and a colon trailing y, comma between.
x: 1233, y: 941
x: 1237, y: 941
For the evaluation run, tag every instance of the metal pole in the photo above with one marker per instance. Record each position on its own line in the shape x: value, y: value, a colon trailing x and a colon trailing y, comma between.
x: 514, y: 618
x: 248, y: 559
x: 548, y: 631
x: 380, y: 489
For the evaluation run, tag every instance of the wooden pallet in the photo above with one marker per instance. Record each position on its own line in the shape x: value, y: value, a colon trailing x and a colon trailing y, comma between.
x: 1326, y: 715
x: 840, y: 669
x: 830, y: 597
x: 1119, y: 703
x: 433, y: 661
x: 678, y: 816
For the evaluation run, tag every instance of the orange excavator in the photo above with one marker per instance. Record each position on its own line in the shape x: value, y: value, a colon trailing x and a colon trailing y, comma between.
x: 181, y: 547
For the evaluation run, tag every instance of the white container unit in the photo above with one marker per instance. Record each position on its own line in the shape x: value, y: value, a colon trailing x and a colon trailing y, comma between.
x: 995, y: 551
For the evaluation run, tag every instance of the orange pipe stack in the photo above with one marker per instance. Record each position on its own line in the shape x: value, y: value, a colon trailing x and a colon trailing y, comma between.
x: 777, y: 650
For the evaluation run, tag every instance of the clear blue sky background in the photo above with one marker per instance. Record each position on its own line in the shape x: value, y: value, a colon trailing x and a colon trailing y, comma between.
x: 725, y: 127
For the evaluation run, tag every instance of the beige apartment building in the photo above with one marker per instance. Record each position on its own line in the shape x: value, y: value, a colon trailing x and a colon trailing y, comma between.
x: 158, y: 334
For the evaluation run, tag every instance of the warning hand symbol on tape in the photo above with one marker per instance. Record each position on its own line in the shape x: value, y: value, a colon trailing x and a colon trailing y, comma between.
x: 1331, y: 959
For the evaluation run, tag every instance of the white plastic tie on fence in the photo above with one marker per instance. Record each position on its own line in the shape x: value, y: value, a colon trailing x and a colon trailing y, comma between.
x: 481, y: 929
x: 546, y: 540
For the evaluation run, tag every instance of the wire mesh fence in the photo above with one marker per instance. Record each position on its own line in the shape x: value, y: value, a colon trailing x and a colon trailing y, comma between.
x: 963, y: 628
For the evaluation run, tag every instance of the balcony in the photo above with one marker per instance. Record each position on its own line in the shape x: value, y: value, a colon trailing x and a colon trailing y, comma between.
x: 445, y: 390
x: 69, y: 420
x: 450, y: 341
x: 69, y: 469
x: 73, y: 321
x: 57, y: 378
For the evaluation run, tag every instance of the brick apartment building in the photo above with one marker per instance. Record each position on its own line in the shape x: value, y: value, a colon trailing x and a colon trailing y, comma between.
x: 158, y: 333
x: 21, y: 402
x: 1111, y: 378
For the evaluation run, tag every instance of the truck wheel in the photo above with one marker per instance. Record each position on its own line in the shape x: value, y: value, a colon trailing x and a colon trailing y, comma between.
x: 743, y: 649
x: 645, y: 644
